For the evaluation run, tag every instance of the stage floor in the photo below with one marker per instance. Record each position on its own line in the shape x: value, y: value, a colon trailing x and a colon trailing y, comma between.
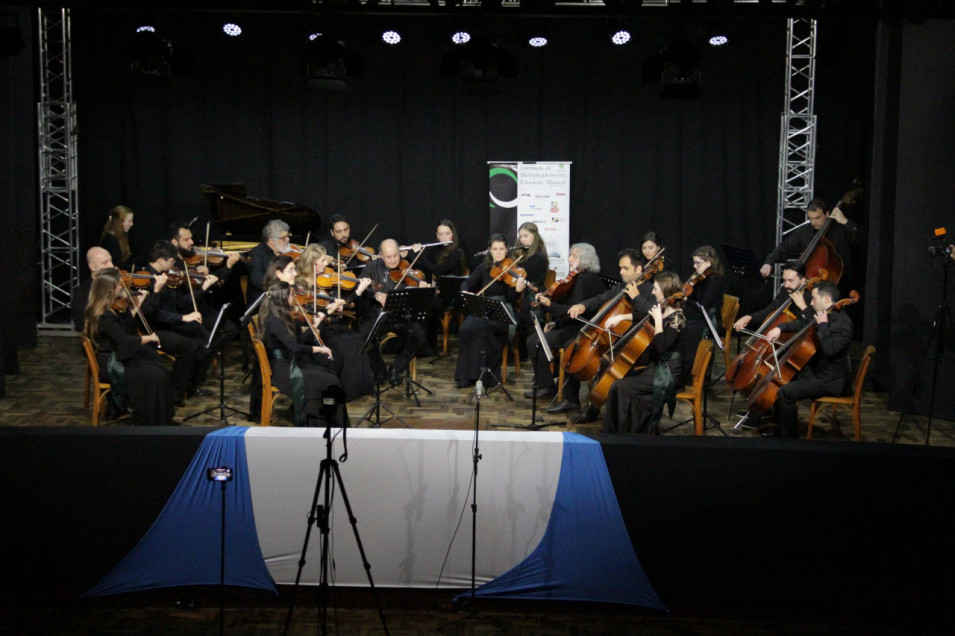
x: 49, y: 392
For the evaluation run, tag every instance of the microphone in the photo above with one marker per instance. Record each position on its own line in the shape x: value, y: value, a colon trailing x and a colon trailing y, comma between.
x: 479, y: 389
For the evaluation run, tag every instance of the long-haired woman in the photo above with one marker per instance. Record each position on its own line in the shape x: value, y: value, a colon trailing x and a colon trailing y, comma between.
x: 115, y: 236
x: 438, y: 261
x: 133, y: 367
x: 707, y: 297
x: 301, y: 367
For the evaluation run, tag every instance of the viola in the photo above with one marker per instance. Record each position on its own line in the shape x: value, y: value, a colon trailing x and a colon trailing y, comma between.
x: 792, y: 356
x: 744, y: 370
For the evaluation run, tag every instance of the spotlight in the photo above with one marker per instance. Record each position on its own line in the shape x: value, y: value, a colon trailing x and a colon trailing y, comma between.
x: 312, y: 36
x: 460, y: 37
x: 537, y: 41
x: 620, y: 37
x: 232, y: 29
x: 390, y: 37
x: 146, y: 28
x: 719, y: 40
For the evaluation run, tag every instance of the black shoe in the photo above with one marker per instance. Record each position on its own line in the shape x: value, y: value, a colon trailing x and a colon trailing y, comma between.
x: 393, y: 378
x: 198, y: 392
x: 545, y: 392
x: 586, y: 416
x: 563, y: 407
x: 771, y: 431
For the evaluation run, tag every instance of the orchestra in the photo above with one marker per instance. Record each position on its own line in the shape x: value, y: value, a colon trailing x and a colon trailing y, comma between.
x: 633, y: 341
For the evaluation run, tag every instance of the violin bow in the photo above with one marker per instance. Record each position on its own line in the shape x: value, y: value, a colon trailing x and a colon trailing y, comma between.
x: 496, y: 278
x: 206, y: 263
x: 307, y: 315
x: 410, y: 267
x: 362, y: 244
x: 137, y: 312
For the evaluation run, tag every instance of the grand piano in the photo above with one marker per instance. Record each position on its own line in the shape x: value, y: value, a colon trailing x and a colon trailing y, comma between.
x: 240, y: 218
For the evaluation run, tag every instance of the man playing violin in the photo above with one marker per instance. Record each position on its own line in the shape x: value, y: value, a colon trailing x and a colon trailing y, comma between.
x: 411, y: 335
x: 339, y: 244
x: 584, y: 261
x: 97, y: 259
x: 828, y: 370
x: 843, y: 234
x: 177, y: 322
x: 640, y: 295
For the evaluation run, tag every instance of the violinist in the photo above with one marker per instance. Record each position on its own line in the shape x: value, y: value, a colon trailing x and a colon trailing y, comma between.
x: 339, y: 231
x: 794, y: 278
x: 276, y: 240
x: 843, y: 234
x: 441, y: 260
x: 471, y: 335
x: 97, y: 259
x: 356, y: 371
x: 650, y: 245
x: 640, y: 298
x: 707, y: 297
x: 635, y: 402
x: 383, y: 273
x: 177, y: 322
x: 115, y: 236
x: 138, y: 378
x: 584, y: 265
x: 828, y: 370
x: 300, y: 365
x: 532, y: 252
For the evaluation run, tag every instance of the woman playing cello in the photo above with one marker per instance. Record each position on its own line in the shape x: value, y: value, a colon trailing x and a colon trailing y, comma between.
x: 635, y: 403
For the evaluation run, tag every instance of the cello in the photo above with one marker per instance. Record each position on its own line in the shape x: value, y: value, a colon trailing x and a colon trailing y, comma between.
x: 582, y: 358
x: 744, y: 370
x: 638, y: 339
x: 796, y: 354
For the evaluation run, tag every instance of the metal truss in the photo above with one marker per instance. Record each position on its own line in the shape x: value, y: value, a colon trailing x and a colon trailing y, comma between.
x: 57, y: 152
x: 797, y: 137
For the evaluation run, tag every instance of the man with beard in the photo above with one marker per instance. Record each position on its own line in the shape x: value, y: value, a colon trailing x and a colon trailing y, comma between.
x: 275, y: 241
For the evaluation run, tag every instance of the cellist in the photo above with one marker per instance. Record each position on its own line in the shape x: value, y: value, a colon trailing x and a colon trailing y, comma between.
x: 635, y: 402
x: 584, y: 261
x: 843, y: 233
x: 639, y: 295
x: 794, y: 278
x: 828, y: 370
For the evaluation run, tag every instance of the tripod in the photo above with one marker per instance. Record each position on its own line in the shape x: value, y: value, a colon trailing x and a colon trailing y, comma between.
x: 319, y: 515
x: 942, y: 318
x: 222, y: 407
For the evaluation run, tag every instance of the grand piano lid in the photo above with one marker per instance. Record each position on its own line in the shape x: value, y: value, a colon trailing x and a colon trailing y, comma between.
x: 242, y: 217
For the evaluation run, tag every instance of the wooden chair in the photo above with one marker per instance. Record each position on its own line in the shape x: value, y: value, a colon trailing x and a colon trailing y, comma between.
x: 511, y: 346
x: 729, y: 311
x: 100, y: 389
x: 694, y: 393
x: 265, y: 369
x: 412, y: 366
x: 852, y: 402
x: 446, y: 320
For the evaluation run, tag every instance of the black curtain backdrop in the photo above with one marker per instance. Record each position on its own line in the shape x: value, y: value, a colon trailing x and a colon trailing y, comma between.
x: 406, y: 147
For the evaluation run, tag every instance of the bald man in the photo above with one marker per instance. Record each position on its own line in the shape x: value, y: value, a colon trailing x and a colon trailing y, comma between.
x: 96, y: 259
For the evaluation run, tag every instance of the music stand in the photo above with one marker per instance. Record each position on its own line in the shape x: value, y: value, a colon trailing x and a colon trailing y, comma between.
x: 222, y: 407
x: 742, y: 261
x: 549, y: 354
x: 488, y: 309
x: 404, y: 306
x: 380, y: 326
x: 449, y: 287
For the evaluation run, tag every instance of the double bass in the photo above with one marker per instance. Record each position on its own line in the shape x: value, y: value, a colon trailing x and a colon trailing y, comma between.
x: 744, y: 370
x: 638, y: 339
x: 821, y: 253
x: 793, y: 356
x: 582, y: 358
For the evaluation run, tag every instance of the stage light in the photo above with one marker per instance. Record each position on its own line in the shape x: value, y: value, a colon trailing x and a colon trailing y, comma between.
x: 621, y: 37
x: 390, y: 37
x: 719, y: 40
x: 537, y: 41
x: 146, y: 29
x: 312, y: 36
x: 460, y: 37
x: 232, y: 29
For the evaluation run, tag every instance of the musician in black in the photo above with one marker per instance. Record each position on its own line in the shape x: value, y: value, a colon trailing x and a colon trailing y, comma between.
x: 97, y: 259
x: 179, y: 325
x: 339, y: 237
x: 532, y: 254
x: 584, y: 265
x: 843, y: 233
x: 276, y: 239
x: 640, y: 296
x: 411, y: 335
x: 794, y: 278
x: 437, y: 261
x: 707, y: 296
x: 828, y: 370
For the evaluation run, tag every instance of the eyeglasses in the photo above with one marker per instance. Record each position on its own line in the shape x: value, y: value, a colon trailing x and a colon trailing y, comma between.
x: 284, y: 237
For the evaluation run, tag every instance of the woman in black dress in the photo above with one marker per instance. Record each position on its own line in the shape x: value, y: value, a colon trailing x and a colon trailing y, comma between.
x: 115, y: 237
x: 471, y: 338
x: 133, y: 367
x: 438, y: 261
x: 707, y: 296
x: 532, y: 252
x: 635, y: 402
x: 301, y: 367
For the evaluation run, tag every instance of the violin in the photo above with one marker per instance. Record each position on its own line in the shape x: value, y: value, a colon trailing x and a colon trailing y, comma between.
x: 509, y: 273
x: 796, y: 354
x: 175, y: 278
x: 136, y: 279
x: 745, y: 369
x: 306, y: 297
x: 560, y: 288
x: 299, y: 313
x: 404, y: 272
x: 331, y: 278
x: 354, y: 249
